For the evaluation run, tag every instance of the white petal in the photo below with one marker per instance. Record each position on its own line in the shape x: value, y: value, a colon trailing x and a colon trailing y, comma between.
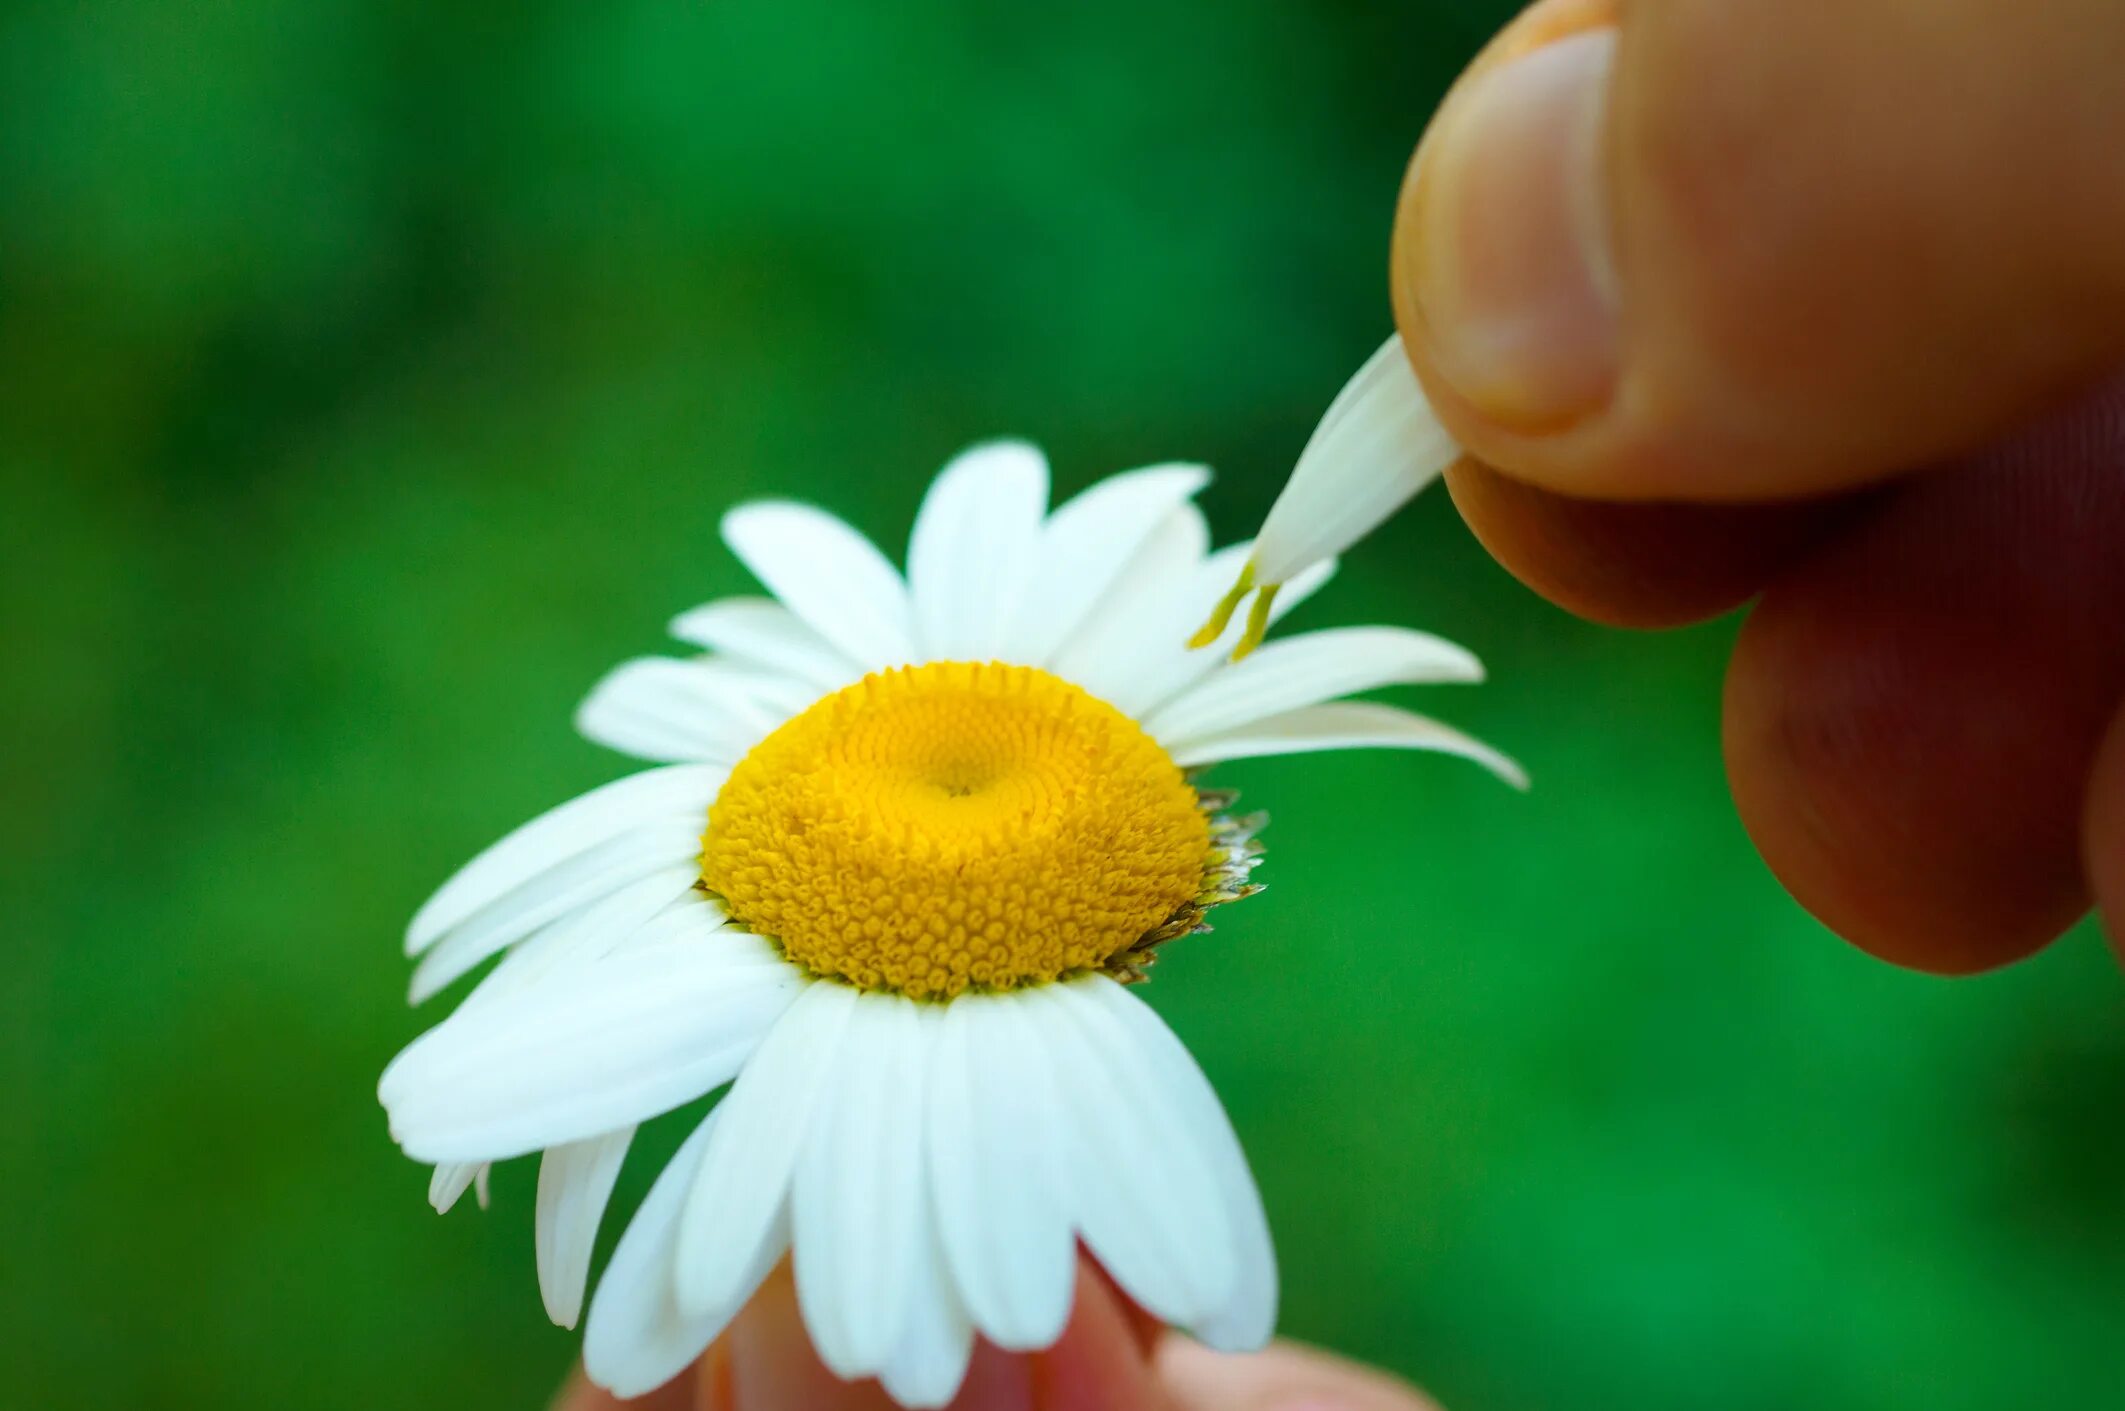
x: 995, y: 1171
x: 480, y: 1191
x: 1248, y: 1317
x: 829, y: 575
x: 575, y: 1182
x: 975, y: 544
x: 567, y: 888
x: 1306, y: 670
x: 632, y: 916
x: 936, y: 1336
x: 1173, y: 1254
x: 593, y: 1048
x: 522, y: 962
x: 1346, y: 725
x: 1134, y: 623
x: 1379, y: 444
x: 1086, y: 544
x: 710, y: 711
x: 637, y: 1337
x: 560, y: 834
x: 762, y: 632
x: 450, y: 1180
x: 693, y: 916
x: 1169, y: 664
x: 586, y: 932
x: 741, y: 1198
x: 857, y: 1188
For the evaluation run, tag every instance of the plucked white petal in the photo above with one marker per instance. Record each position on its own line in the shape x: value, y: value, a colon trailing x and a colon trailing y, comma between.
x: 708, y: 711
x: 763, y: 633
x: 1174, y: 1255
x: 1132, y: 625
x: 1086, y: 543
x: 996, y: 1171
x: 637, y: 1337
x: 585, y: 932
x: 1346, y: 725
x: 480, y: 1190
x: 829, y: 575
x: 857, y: 1186
x: 1247, y: 1318
x: 593, y: 1048
x: 449, y: 1181
x: 1168, y: 665
x: 974, y: 547
x: 1306, y: 670
x: 575, y: 1183
x: 560, y: 834
x: 561, y: 891
x: 929, y: 1361
x: 742, y: 1196
x: 1379, y: 444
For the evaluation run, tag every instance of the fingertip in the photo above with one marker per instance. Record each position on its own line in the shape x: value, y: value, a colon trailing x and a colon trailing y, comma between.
x: 682, y: 1393
x: 1912, y: 716
x: 1498, y: 270
x: 1143, y: 1325
x: 1100, y: 1362
x: 1875, y: 810
x: 772, y: 1363
x: 1284, y: 1377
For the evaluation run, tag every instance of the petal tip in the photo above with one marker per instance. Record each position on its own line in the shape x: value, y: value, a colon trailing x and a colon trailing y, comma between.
x: 1508, y: 769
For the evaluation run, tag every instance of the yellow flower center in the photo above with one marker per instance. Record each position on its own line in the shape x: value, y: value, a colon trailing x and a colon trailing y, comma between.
x: 935, y: 827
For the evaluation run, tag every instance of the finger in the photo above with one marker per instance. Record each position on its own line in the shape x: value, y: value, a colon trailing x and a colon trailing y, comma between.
x: 1099, y: 1363
x: 1913, y: 715
x: 713, y: 1388
x: 773, y: 1366
x: 1144, y: 1327
x: 1284, y: 1378
x: 2104, y: 836
x: 678, y: 1394
x: 1644, y: 565
x: 1744, y: 249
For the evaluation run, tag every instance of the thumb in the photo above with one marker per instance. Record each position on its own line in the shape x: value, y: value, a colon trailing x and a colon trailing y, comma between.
x: 1747, y: 249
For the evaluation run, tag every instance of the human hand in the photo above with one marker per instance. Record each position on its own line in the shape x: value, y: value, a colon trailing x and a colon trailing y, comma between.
x: 1734, y: 299
x: 1110, y: 1358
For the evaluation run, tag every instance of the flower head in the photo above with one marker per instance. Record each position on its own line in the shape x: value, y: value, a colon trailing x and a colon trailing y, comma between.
x: 910, y: 841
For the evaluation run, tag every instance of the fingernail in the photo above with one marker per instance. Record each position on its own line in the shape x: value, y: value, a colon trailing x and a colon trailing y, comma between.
x: 1510, y: 272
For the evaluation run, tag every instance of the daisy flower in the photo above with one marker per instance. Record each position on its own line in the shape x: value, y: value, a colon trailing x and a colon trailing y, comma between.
x: 1377, y: 446
x: 908, y: 841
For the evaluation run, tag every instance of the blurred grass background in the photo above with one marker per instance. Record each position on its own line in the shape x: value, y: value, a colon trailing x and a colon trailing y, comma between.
x: 372, y: 376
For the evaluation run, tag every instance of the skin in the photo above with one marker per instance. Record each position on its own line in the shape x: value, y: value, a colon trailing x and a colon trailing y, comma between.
x: 1868, y: 289
x: 1918, y: 479
x: 1110, y: 1358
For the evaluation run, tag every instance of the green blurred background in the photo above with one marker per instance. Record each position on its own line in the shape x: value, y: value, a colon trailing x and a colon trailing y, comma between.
x: 372, y: 376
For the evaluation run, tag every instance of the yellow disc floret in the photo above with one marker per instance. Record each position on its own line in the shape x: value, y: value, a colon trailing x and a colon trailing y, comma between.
x: 956, y: 824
